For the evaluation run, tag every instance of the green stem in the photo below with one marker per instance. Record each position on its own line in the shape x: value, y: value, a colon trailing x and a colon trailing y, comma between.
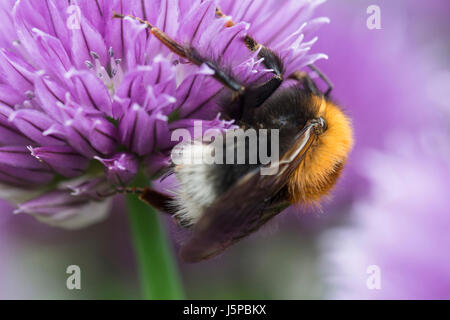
x: 159, y: 275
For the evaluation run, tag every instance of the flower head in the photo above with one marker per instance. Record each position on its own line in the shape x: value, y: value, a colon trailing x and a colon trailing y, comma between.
x: 87, y: 101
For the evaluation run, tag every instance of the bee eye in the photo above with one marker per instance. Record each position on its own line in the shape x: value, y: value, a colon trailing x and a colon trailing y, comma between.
x: 323, y: 124
x: 320, y: 126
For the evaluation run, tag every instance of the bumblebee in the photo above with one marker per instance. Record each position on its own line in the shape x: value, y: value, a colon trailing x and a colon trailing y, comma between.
x: 223, y: 203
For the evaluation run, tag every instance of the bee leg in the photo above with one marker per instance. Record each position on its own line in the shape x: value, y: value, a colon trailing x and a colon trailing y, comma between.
x: 271, y: 60
x: 324, y: 79
x: 188, y: 53
x: 151, y: 197
x: 158, y: 200
x: 255, y: 96
x: 251, y: 98
x: 306, y: 81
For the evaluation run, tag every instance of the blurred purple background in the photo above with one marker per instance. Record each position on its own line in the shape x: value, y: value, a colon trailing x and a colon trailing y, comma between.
x: 393, y: 82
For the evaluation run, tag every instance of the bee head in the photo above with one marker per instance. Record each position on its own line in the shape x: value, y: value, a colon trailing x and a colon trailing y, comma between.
x: 324, y: 160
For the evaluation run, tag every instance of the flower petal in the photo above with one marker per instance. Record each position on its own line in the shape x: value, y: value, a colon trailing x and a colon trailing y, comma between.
x: 61, y: 209
x: 33, y: 124
x: 91, y: 91
x: 62, y: 159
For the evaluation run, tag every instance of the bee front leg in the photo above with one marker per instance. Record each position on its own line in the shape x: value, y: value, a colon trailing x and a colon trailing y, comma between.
x: 188, y: 53
x: 306, y: 81
x: 256, y: 96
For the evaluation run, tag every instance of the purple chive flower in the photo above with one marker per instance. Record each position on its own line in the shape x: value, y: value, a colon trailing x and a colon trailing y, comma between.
x: 79, y: 88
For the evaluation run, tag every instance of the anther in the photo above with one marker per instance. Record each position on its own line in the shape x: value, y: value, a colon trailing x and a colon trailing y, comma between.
x: 94, y: 55
x: 30, y: 94
x: 320, y: 126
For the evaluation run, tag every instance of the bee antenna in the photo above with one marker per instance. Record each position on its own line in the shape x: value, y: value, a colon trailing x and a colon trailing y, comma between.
x: 323, y: 77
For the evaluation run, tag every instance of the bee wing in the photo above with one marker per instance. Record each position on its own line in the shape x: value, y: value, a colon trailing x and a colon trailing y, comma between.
x: 250, y: 203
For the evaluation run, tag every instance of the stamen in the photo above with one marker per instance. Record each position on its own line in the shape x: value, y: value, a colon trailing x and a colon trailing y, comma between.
x: 111, y: 74
x: 94, y: 55
x: 27, y: 104
x: 30, y: 94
